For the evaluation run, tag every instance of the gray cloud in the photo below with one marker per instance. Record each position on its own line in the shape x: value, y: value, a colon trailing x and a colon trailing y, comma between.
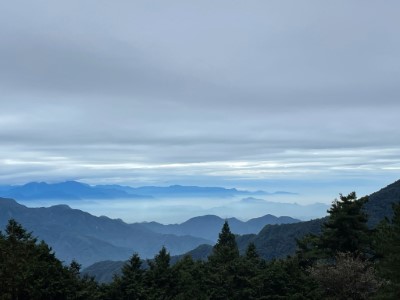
x: 155, y: 91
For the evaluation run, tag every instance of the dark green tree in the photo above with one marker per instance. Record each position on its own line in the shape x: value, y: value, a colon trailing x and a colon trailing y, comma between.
x: 130, y: 285
x: 159, y: 278
x: 225, y: 250
x: 247, y: 280
x: 189, y: 276
x: 387, y: 247
x: 346, y: 229
x: 222, y: 266
x: 308, y: 250
x: 15, y: 246
x: 286, y: 279
x: 251, y: 253
x: 30, y: 270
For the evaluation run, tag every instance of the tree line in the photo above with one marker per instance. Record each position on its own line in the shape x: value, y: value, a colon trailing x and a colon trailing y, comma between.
x: 347, y: 260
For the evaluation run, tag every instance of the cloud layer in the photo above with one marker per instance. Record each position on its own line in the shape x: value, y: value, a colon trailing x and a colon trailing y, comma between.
x: 160, y: 91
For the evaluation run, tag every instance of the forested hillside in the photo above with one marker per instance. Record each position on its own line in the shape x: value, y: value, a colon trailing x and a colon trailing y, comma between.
x: 343, y: 262
x: 347, y: 260
x: 279, y: 241
x: 379, y: 204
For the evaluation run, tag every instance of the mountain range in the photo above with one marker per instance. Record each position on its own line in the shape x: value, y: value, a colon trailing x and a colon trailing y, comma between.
x: 209, y: 226
x: 295, y: 210
x: 74, y: 190
x: 275, y: 241
x: 69, y: 190
x: 278, y: 241
x: 75, y: 234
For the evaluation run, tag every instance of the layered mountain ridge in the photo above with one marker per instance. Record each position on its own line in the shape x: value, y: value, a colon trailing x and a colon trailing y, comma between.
x: 74, y: 190
x: 279, y: 240
x: 208, y: 226
x: 75, y: 234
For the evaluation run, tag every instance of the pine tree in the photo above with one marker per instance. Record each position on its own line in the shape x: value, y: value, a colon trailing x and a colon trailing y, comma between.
x: 189, y: 278
x: 346, y: 229
x: 226, y: 249
x: 159, y: 278
x: 30, y: 270
x: 251, y: 253
x: 222, y: 265
x: 247, y: 281
x: 130, y: 283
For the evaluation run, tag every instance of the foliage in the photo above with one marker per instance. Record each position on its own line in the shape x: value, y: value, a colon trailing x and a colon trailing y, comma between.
x: 387, y: 247
x: 349, y: 277
x: 29, y: 269
x: 159, y: 278
x: 225, y: 250
x: 189, y: 276
x: 345, y: 230
x: 130, y: 284
x: 223, y: 264
x: 279, y: 241
x: 335, y: 264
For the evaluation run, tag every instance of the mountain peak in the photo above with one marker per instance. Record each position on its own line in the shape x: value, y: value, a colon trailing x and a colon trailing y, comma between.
x: 60, y: 207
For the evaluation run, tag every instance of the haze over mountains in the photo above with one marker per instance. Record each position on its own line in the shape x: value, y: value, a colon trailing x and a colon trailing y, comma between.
x: 208, y: 227
x: 75, y: 234
x: 169, y: 204
x: 275, y: 241
x: 74, y: 190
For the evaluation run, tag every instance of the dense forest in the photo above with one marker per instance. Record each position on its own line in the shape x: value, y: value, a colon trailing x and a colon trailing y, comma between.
x: 347, y: 260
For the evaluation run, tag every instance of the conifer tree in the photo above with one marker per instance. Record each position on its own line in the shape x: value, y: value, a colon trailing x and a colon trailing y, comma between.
x: 130, y: 284
x: 159, y: 277
x: 30, y: 270
x: 222, y: 266
x: 247, y: 280
x: 346, y: 229
x: 251, y: 253
x: 189, y: 278
x: 226, y: 249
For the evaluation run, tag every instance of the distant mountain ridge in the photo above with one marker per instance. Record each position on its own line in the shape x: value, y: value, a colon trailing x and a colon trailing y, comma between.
x: 68, y: 190
x: 295, y: 210
x: 75, y: 234
x: 209, y: 226
x: 277, y: 241
x: 184, y: 191
x: 74, y: 190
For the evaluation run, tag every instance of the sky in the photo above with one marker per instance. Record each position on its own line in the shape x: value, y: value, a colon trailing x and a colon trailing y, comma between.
x: 302, y: 96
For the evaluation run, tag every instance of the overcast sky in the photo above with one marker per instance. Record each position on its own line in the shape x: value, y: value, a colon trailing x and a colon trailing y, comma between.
x: 253, y: 94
